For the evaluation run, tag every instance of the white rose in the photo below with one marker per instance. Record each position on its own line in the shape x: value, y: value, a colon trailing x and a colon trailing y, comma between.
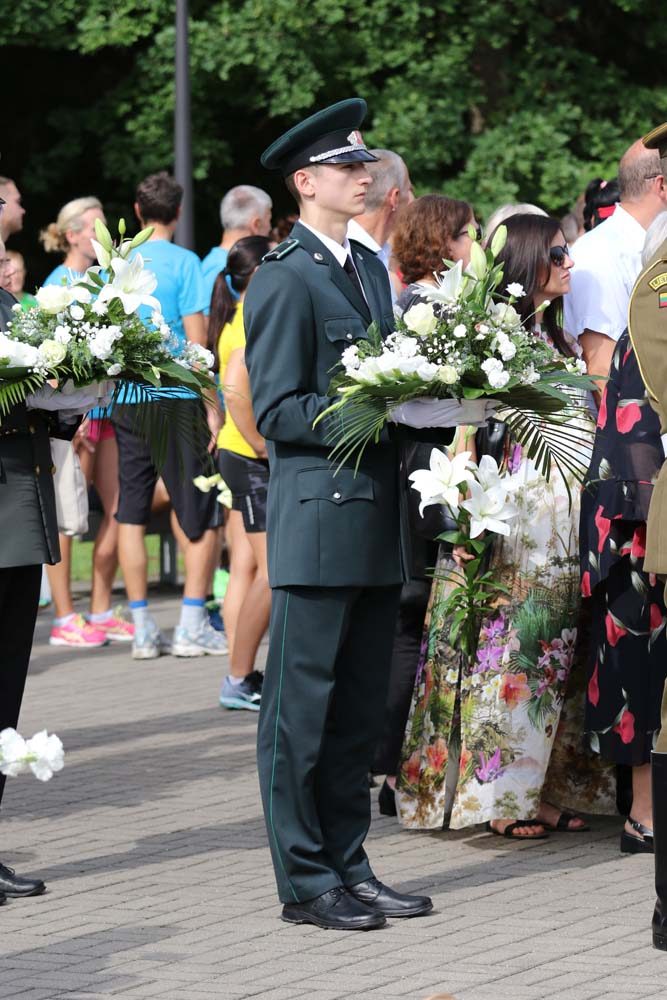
x: 459, y: 331
x: 52, y: 353
x: 114, y: 369
x: 491, y: 365
x: 350, y: 358
x: 506, y: 347
x: 516, y: 290
x: 448, y: 374
x: 498, y: 379
x: 76, y: 312
x: 427, y: 371
x: 54, y: 298
x: 421, y: 319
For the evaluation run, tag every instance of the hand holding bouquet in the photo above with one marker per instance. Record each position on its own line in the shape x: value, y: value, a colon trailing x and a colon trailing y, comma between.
x: 464, y: 344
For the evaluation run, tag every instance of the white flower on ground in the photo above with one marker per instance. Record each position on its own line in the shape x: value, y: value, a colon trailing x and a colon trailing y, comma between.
x: 516, y: 290
x: 52, y: 352
x: 441, y: 481
x: 449, y: 287
x: 45, y: 755
x: 488, y: 509
x: 12, y: 753
x: 131, y: 283
x: 421, y: 319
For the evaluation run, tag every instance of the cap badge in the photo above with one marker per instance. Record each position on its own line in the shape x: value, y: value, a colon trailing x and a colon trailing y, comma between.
x: 355, y: 138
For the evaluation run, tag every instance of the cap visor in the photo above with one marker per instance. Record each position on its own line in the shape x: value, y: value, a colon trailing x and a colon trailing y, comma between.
x: 353, y: 156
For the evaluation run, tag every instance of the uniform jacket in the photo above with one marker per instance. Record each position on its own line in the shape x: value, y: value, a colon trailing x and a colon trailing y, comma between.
x: 28, y: 525
x: 647, y: 326
x: 325, y: 527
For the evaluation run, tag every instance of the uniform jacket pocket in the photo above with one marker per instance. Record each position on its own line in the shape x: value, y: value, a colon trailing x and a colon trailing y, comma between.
x: 345, y: 328
x: 322, y: 484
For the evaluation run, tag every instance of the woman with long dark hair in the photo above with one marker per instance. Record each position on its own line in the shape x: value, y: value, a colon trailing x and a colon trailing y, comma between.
x: 479, y: 738
x: 245, y: 469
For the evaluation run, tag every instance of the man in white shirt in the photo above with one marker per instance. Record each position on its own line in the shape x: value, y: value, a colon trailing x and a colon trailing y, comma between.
x: 608, y: 260
x: 389, y: 191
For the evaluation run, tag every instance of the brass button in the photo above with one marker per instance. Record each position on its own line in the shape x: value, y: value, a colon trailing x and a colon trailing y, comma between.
x: 37, y: 470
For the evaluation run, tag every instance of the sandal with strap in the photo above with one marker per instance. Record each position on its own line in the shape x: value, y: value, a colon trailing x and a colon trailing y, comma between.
x: 508, y: 832
x: 563, y: 824
x: 643, y: 844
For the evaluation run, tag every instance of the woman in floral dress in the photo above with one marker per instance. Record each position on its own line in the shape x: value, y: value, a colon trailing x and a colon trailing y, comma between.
x: 479, y: 737
x: 628, y: 654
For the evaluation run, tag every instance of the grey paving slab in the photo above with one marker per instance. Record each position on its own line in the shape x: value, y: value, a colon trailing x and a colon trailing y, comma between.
x: 153, y: 846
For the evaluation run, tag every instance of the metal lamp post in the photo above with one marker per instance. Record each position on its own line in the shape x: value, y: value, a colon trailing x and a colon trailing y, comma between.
x: 184, y: 235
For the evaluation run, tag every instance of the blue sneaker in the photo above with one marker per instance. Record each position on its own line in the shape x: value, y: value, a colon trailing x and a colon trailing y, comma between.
x: 247, y: 694
x: 215, y: 618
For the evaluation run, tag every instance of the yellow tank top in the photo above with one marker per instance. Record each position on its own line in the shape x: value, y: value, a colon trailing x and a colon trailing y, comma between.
x: 231, y: 339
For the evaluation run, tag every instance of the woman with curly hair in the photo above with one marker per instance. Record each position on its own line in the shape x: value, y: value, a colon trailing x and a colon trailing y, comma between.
x: 431, y: 230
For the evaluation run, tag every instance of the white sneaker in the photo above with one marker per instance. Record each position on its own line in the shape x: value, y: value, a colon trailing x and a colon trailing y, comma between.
x: 205, y: 642
x: 148, y: 643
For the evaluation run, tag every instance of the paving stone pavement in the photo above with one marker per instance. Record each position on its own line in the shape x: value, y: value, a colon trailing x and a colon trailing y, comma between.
x: 153, y: 846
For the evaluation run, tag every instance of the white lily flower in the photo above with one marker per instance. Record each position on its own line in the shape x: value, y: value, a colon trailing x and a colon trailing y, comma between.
x: 45, y: 755
x: 478, y: 264
x: 488, y: 509
x: 132, y: 284
x: 449, y: 285
x: 441, y: 481
x: 102, y: 254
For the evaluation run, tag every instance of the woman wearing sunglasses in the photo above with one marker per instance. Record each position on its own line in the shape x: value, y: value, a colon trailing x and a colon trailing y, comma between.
x: 479, y: 741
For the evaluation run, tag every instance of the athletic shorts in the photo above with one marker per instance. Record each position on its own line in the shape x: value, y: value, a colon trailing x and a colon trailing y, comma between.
x: 248, y: 480
x: 196, y: 511
x: 100, y: 430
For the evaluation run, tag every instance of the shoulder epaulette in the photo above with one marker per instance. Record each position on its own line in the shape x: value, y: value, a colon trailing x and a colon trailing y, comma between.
x: 282, y: 250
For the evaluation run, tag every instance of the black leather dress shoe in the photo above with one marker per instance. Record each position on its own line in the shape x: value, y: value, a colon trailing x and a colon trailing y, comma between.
x: 14, y: 885
x: 335, y: 910
x: 3, y: 899
x: 385, y: 900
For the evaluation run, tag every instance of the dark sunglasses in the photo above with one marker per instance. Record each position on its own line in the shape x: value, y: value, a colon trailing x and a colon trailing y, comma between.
x: 557, y: 255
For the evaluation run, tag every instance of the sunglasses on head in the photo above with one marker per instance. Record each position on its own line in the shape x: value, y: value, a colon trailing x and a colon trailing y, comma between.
x: 557, y: 255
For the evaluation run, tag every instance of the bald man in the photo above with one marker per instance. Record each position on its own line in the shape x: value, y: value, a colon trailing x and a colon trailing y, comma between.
x: 608, y: 260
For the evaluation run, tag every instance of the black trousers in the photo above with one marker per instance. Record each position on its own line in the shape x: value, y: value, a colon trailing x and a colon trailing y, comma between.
x: 19, y: 600
x: 322, y: 709
x: 404, y: 662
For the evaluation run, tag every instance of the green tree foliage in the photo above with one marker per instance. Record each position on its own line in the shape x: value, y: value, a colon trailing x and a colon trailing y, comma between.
x: 486, y: 99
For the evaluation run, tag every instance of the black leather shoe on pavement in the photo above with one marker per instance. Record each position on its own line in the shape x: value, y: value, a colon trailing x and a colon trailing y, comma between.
x: 14, y: 885
x: 335, y: 910
x: 385, y: 900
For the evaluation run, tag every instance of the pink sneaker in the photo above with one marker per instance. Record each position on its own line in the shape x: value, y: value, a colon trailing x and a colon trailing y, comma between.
x: 115, y: 628
x: 77, y: 632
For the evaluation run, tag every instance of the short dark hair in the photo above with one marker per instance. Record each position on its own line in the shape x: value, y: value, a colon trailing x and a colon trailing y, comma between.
x: 159, y: 198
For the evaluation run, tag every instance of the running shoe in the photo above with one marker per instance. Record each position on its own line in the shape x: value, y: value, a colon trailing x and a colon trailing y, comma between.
x: 116, y: 628
x: 205, y: 642
x: 77, y: 633
x: 247, y: 694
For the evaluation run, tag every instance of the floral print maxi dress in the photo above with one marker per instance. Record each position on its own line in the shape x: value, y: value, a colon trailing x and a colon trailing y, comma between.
x: 481, y: 737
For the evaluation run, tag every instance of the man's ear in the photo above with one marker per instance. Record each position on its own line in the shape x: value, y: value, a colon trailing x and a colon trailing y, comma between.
x: 393, y: 198
x: 303, y: 182
x: 138, y: 214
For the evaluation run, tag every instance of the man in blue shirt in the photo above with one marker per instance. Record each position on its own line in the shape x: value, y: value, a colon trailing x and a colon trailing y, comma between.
x: 182, y: 297
x: 244, y: 211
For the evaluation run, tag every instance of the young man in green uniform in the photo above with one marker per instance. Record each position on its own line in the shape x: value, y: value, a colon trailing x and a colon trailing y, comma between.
x: 337, y: 538
x: 647, y: 325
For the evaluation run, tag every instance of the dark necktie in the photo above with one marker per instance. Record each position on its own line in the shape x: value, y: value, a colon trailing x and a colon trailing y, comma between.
x: 351, y: 272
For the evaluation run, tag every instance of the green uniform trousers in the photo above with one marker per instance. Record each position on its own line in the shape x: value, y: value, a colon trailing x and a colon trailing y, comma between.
x: 322, y: 710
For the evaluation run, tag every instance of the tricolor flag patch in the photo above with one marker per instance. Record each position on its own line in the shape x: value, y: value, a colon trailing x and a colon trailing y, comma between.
x: 662, y: 300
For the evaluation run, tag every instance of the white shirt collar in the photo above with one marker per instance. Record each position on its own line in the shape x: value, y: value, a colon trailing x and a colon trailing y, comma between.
x: 629, y: 225
x: 340, y: 251
x: 357, y: 232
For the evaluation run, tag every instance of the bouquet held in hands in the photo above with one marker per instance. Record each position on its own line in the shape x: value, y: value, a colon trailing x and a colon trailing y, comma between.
x: 460, y: 357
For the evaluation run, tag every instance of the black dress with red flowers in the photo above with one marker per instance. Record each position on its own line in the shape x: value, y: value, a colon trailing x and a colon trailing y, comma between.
x: 628, y: 656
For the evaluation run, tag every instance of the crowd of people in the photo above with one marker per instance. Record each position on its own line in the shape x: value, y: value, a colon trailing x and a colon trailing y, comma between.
x: 560, y: 710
